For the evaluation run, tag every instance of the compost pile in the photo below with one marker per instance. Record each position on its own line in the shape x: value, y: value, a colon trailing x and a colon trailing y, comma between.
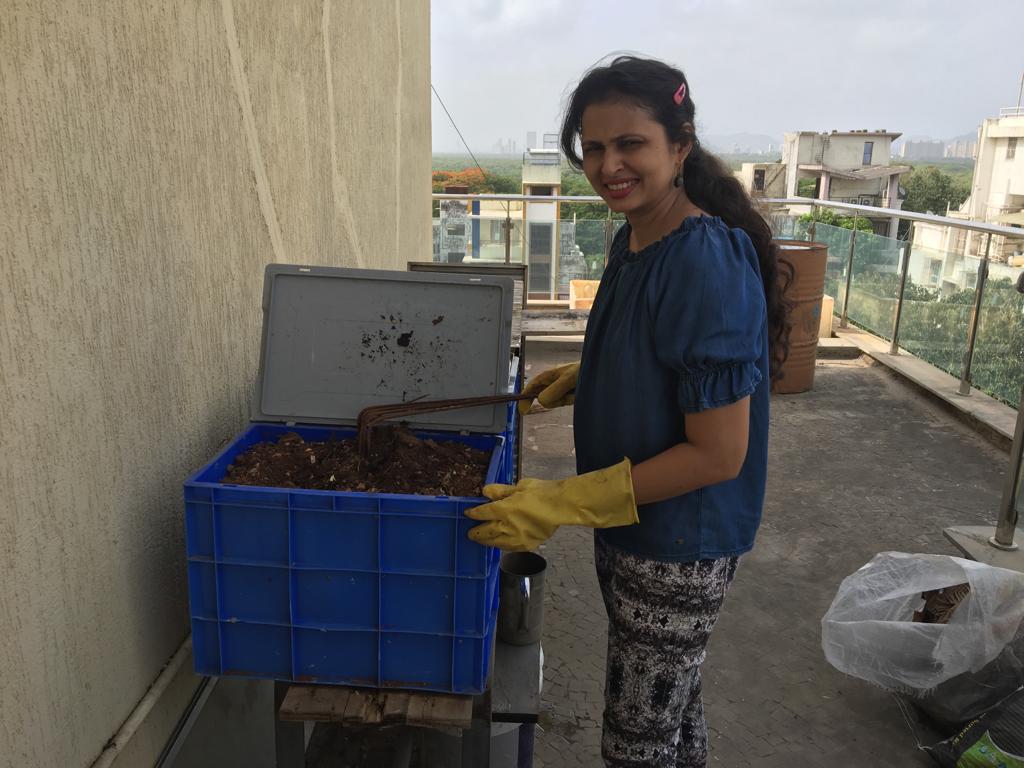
x: 939, y: 604
x: 399, y: 462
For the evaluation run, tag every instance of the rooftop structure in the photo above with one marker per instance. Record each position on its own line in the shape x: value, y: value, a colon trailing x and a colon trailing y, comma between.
x: 846, y: 166
x: 997, y: 196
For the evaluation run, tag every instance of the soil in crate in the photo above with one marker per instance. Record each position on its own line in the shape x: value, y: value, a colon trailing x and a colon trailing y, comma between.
x: 399, y: 462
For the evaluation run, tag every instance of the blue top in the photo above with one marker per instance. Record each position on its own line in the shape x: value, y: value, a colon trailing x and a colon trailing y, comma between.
x: 677, y: 328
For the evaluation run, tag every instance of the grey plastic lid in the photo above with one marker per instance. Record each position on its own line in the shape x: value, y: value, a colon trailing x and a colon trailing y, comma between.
x: 338, y: 340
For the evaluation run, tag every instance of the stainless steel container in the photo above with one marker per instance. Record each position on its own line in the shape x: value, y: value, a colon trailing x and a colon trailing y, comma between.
x: 521, y: 596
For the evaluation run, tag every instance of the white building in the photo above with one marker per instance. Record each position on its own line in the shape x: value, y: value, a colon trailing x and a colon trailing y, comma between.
x: 997, y: 197
x: 846, y: 166
x: 997, y: 190
x: 535, y: 236
x: 542, y: 175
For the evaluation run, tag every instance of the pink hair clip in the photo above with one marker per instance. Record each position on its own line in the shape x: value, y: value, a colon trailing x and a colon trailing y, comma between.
x: 680, y: 94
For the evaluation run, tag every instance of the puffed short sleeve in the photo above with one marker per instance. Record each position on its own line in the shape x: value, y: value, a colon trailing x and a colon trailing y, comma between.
x: 709, y: 318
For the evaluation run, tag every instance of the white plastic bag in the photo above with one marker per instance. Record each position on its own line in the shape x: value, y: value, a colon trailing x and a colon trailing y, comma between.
x: 868, y: 632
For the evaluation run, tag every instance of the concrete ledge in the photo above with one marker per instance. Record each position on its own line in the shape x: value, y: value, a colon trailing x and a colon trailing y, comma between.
x: 973, y: 541
x: 837, y: 349
x: 572, y: 339
x: 991, y: 418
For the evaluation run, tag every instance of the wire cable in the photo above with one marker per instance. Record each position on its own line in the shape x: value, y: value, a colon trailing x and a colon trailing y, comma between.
x: 508, y: 211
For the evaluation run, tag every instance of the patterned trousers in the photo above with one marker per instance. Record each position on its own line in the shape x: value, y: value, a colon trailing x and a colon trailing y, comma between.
x: 660, y: 616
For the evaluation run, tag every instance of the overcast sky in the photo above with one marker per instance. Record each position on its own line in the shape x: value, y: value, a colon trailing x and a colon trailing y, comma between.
x: 932, y: 67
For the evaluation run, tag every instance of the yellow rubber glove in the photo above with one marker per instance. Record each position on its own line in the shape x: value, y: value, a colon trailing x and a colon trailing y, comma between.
x: 553, y: 388
x: 524, y: 515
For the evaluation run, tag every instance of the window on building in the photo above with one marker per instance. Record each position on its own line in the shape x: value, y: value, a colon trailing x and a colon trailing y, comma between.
x: 539, y: 254
x: 759, y: 179
x: 869, y: 149
x: 1011, y: 148
x: 807, y: 188
x: 545, y: 191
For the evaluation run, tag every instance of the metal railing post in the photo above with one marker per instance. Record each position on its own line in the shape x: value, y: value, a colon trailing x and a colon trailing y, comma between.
x: 507, y: 227
x: 894, y: 348
x: 972, y: 334
x: 1006, y: 524
x: 849, y: 273
x: 811, y: 230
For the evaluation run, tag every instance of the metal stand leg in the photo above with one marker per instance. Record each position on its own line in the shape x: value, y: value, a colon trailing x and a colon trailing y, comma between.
x: 1007, y: 522
x: 289, y: 737
x: 476, y: 745
x: 1000, y: 550
x: 972, y: 329
x: 525, y: 754
x: 403, y: 749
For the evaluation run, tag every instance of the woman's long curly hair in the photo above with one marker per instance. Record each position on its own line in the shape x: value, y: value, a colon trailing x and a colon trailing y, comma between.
x: 651, y: 85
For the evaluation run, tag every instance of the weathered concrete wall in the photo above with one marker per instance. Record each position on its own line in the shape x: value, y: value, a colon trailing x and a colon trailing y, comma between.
x: 153, y: 157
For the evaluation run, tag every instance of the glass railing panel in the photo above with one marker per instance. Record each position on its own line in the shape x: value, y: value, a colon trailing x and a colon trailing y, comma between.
x: 838, y: 241
x: 786, y: 227
x: 874, y: 288
x: 937, y: 302
x: 581, y: 255
x: 452, y: 232
x: 998, y: 365
x: 937, y: 307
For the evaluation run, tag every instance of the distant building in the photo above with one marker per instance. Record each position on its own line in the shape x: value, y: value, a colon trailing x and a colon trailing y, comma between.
x: 997, y: 197
x: 848, y: 167
x: 763, y: 179
x: 961, y: 148
x: 450, y: 238
x: 542, y: 175
x: 922, y: 150
x: 537, y: 235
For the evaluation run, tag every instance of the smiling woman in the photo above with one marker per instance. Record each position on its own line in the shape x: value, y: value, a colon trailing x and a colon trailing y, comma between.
x: 629, y: 160
x: 631, y: 91
x: 671, y: 404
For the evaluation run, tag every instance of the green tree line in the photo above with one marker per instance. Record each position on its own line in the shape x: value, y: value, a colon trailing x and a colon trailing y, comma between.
x: 931, y: 190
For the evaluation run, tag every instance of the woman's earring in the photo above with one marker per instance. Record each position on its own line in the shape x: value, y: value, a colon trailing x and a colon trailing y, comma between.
x: 679, y: 178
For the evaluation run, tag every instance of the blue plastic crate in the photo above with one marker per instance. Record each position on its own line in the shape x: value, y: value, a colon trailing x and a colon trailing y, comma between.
x: 382, y: 590
x: 509, y: 453
x: 511, y: 424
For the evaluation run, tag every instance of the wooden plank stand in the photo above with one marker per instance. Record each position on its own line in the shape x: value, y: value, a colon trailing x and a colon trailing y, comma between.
x: 367, y: 706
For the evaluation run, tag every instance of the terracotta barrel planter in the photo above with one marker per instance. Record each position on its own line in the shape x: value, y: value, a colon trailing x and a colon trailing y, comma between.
x: 804, y: 294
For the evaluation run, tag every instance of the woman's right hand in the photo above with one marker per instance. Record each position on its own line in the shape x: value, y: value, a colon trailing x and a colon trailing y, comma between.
x: 553, y: 388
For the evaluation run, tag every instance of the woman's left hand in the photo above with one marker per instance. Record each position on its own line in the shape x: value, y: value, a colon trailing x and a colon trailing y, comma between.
x: 520, y: 517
